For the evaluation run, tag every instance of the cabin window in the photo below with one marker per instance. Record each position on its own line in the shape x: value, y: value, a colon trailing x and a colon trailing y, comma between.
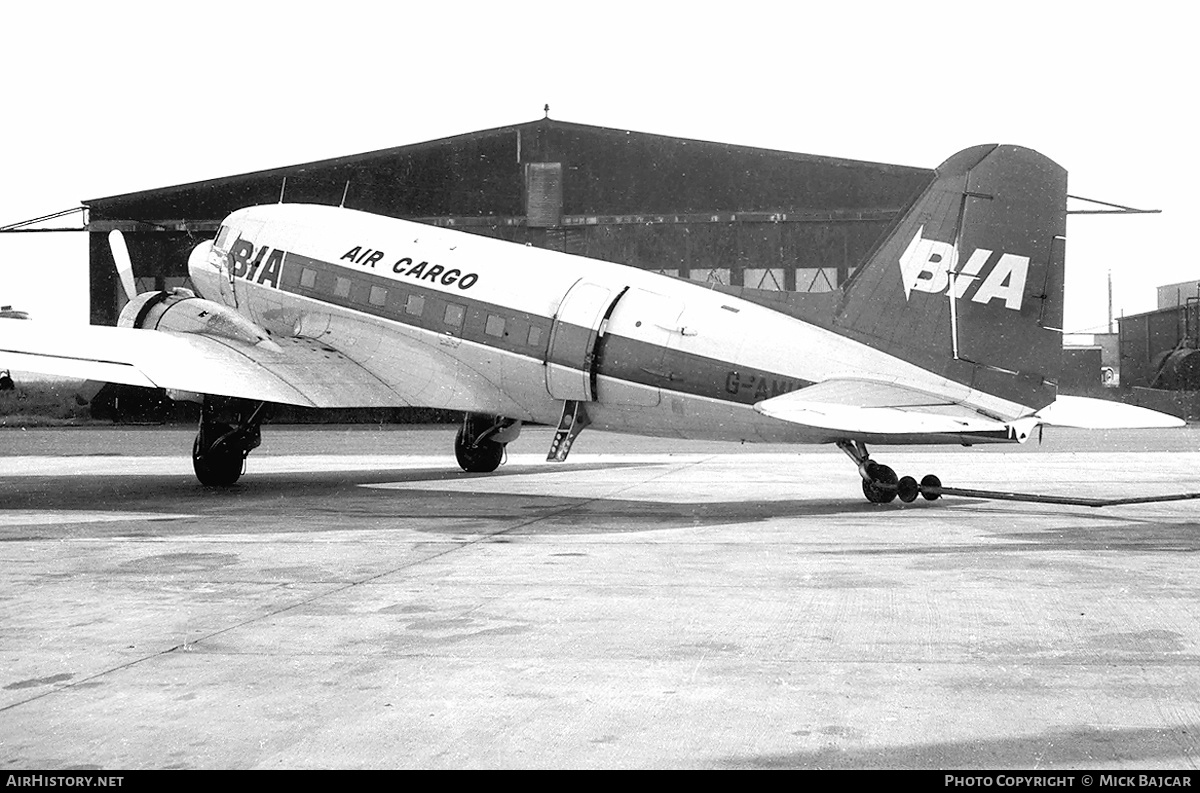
x: 308, y: 278
x: 535, y: 336
x: 415, y: 305
x: 454, y: 314
x: 222, y: 241
x: 494, y: 326
x: 342, y: 287
x: 378, y: 296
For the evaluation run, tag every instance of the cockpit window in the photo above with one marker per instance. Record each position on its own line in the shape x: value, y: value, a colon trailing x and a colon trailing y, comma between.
x: 222, y: 241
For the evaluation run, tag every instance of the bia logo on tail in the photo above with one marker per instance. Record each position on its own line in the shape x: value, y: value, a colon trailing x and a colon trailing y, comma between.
x: 926, y: 266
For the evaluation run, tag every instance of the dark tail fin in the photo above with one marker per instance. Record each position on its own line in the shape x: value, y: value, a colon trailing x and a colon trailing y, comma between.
x: 991, y: 229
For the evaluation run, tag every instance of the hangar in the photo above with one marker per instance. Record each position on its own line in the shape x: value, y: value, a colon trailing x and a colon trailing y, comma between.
x: 712, y: 212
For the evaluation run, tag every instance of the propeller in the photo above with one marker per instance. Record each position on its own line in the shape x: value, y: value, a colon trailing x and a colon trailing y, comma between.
x: 120, y: 252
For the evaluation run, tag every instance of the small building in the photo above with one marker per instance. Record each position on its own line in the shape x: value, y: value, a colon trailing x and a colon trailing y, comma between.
x: 1161, y: 348
x: 1179, y: 294
x: 1090, y: 361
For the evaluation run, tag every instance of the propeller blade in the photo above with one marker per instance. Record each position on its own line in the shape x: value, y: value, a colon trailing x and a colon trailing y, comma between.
x: 120, y: 252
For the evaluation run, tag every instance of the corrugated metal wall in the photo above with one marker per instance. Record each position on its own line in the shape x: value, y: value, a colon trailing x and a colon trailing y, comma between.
x: 712, y: 212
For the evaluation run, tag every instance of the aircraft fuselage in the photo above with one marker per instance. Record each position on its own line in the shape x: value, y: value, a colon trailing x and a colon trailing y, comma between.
x: 453, y: 320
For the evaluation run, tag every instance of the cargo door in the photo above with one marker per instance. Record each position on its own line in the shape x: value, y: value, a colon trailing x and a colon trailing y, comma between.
x: 631, y: 358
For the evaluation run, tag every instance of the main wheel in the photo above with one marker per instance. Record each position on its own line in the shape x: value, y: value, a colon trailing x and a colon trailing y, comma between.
x: 481, y: 459
x: 221, y: 464
x: 880, y: 475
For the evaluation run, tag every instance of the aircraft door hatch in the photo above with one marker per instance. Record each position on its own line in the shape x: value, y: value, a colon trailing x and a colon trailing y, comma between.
x: 632, y: 355
x: 571, y: 353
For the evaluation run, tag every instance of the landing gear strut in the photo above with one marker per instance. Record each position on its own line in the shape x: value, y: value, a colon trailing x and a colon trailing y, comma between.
x: 229, y: 430
x: 880, y: 484
x: 480, y: 441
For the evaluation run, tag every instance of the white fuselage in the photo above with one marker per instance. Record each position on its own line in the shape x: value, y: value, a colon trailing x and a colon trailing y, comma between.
x: 453, y: 320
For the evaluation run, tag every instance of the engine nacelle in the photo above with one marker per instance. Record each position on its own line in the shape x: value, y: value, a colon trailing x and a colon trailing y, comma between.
x: 181, y: 311
x: 204, y: 271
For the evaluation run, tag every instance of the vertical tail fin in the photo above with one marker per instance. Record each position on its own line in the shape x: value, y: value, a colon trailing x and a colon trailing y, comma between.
x: 969, y: 282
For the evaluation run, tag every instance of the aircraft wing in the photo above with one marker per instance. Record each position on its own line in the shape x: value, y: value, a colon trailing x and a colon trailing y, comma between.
x: 869, y: 407
x: 291, y: 371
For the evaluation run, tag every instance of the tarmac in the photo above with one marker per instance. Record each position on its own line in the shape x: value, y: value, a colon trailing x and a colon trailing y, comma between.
x: 357, y: 601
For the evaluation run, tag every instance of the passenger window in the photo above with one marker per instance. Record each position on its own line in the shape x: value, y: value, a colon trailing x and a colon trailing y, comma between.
x: 494, y: 326
x: 454, y: 314
x: 308, y: 278
x: 535, y: 336
x: 378, y: 296
x: 415, y: 305
x: 342, y: 287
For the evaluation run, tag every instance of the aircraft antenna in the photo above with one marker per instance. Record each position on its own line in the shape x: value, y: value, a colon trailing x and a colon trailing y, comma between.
x: 344, y: 192
x: 282, y: 187
x: 1113, y: 209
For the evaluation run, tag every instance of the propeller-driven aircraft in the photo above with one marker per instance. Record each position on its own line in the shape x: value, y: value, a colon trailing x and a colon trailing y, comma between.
x: 949, y: 333
x: 8, y: 312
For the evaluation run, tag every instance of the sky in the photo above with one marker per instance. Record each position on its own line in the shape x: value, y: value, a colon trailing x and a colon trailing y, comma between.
x: 107, y: 98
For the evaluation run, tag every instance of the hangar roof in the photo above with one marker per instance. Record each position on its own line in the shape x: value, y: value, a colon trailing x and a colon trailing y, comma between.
x: 482, y: 174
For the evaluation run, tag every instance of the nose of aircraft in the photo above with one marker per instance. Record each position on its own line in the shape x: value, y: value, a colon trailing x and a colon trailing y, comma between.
x: 205, y: 273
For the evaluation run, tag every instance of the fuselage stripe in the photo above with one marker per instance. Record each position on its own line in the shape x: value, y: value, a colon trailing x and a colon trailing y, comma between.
x: 455, y: 313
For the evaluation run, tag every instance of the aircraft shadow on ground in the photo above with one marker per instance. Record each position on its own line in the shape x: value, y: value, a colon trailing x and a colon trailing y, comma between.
x: 1082, y: 747
x: 256, y: 504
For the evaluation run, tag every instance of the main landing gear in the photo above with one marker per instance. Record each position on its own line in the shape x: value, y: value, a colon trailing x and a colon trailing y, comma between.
x: 480, y: 441
x: 880, y: 484
x: 229, y: 430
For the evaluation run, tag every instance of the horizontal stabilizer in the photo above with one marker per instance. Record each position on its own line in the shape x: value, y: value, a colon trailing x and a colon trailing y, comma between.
x: 1101, y: 414
x: 872, y: 408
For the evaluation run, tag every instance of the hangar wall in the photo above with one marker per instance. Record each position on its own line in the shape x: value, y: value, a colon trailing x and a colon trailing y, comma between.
x: 711, y: 212
x: 1160, y: 356
x: 1161, y: 348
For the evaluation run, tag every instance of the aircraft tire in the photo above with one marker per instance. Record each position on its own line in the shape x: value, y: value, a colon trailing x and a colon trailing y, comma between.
x: 221, y: 465
x: 908, y: 489
x: 481, y: 459
x: 929, y: 480
x: 880, y: 475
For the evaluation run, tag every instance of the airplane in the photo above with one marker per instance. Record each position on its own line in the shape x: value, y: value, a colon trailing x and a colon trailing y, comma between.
x: 948, y: 333
x: 6, y: 379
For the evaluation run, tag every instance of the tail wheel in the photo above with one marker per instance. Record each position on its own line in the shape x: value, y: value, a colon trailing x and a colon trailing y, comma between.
x: 481, y: 458
x: 881, y: 487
